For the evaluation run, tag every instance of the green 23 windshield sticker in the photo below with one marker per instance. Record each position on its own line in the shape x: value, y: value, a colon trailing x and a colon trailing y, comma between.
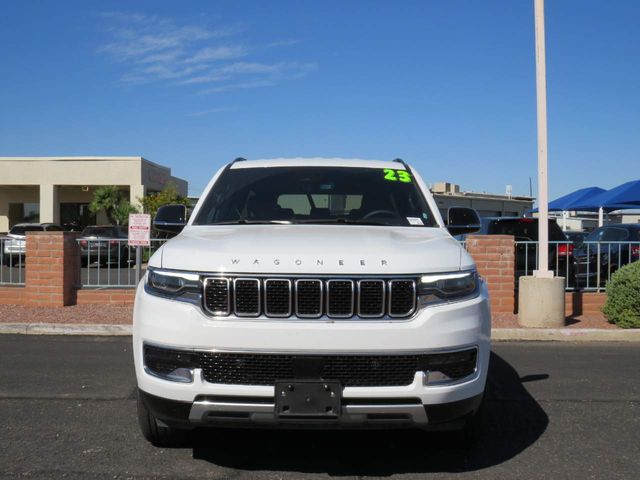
x: 397, y: 175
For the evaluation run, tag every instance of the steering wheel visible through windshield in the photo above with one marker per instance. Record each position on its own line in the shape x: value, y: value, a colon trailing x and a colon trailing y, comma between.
x: 322, y: 195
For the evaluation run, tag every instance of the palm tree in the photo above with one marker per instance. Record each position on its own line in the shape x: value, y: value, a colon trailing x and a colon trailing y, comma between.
x: 109, y: 200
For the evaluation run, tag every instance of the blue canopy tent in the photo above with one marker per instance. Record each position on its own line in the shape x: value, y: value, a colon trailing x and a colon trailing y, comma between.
x: 625, y: 196
x: 563, y: 203
x: 596, y: 199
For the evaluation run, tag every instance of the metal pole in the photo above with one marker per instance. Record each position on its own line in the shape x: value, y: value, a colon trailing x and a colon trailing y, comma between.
x: 543, y: 200
x: 600, y: 217
x: 138, y: 263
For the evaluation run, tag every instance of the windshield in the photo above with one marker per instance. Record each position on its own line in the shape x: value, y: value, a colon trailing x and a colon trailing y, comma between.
x: 608, y: 234
x: 21, y: 229
x: 369, y: 196
x: 576, y: 236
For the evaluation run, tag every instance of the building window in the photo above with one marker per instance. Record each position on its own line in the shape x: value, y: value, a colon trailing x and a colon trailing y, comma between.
x: 24, y: 213
x: 75, y: 216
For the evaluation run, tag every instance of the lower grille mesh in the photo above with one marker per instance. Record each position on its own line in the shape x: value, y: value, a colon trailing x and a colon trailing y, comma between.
x: 350, y: 370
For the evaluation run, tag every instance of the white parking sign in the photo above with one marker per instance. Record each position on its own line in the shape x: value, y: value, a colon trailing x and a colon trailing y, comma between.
x: 139, y: 229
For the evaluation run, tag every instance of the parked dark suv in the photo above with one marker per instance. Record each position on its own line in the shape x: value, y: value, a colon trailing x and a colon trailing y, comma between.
x: 526, y: 230
x: 615, y: 246
x: 576, y: 237
x: 105, y: 244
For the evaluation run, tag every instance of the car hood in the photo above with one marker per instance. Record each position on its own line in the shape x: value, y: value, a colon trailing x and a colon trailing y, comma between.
x: 313, y: 249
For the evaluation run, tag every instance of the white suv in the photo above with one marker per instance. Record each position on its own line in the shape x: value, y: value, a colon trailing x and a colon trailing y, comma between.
x: 313, y: 293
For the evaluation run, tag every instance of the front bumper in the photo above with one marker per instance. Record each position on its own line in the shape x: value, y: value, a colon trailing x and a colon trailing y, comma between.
x: 443, y: 328
x: 14, y: 249
x: 260, y: 412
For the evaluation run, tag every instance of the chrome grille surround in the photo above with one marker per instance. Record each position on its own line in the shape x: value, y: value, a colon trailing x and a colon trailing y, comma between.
x: 217, y: 282
x: 272, y: 282
x: 383, y: 306
x: 344, y: 291
x: 311, y: 298
x: 298, y: 286
x: 255, y: 299
x: 412, y: 286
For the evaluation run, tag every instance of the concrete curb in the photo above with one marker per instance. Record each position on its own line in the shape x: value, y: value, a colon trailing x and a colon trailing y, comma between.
x: 497, y: 334
x: 565, y: 335
x: 65, y: 329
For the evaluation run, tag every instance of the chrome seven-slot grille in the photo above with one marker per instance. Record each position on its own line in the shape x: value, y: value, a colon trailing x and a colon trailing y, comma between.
x: 310, y: 297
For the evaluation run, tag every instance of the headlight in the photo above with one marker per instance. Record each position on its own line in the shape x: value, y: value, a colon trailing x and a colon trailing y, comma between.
x: 182, y: 286
x: 445, y: 287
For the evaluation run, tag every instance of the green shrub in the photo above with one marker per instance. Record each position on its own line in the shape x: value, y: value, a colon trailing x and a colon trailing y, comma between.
x: 623, y: 297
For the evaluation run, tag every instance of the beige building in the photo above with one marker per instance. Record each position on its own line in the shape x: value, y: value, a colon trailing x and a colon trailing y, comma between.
x: 59, y: 189
x: 487, y: 204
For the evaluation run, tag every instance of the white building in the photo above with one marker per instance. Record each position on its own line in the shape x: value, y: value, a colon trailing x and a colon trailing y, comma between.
x: 487, y: 204
x: 59, y: 189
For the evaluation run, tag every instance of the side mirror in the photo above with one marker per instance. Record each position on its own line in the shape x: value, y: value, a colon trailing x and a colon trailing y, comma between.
x: 171, y: 218
x: 462, y: 220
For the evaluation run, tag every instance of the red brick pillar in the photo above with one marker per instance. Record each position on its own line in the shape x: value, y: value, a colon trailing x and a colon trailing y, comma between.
x: 495, y: 258
x: 52, y: 269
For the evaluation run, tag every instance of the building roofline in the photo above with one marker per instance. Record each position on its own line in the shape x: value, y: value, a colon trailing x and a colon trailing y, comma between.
x: 164, y: 167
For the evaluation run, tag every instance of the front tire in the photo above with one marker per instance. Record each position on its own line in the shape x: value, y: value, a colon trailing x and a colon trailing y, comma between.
x: 156, y: 432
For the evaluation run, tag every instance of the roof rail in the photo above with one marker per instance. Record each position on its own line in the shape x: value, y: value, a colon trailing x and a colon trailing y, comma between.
x: 399, y: 160
x: 238, y: 159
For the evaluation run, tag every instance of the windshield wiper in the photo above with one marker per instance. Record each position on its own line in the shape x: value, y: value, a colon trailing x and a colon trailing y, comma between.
x: 342, y: 220
x: 242, y: 221
x: 318, y: 221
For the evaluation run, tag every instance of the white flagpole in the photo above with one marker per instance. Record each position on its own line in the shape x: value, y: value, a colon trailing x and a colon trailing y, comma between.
x: 543, y: 198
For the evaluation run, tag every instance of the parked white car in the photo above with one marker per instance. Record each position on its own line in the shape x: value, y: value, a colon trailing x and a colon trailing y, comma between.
x: 14, y: 244
x: 313, y: 293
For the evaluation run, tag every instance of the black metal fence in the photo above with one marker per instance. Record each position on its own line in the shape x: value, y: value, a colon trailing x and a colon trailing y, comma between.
x: 585, y: 266
x: 111, y: 262
x: 12, y: 261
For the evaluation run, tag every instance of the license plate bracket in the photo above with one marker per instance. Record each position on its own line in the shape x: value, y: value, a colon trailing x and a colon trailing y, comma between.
x: 308, y: 398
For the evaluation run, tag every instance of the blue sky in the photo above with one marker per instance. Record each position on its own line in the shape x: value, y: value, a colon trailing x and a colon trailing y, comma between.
x: 448, y: 85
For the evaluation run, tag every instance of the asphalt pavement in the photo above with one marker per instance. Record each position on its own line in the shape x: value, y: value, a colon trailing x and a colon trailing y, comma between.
x: 555, y: 410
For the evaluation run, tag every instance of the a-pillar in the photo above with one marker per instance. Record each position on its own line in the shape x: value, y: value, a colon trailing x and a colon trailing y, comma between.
x: 136, y: 193
x: 49, y: 204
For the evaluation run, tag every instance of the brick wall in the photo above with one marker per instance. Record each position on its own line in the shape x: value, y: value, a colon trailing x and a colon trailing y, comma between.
x: 52, y: 276
x: 11, y: 295
x: 495, y: 258
x: 52, y: 268
x: 589, y: 303
x: 106, y: 296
